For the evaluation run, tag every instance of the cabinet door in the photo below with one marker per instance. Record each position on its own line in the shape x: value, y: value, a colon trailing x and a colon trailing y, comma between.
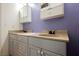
x: 25, y: 10
x: 48, y: 53
x: 51, y: 10
x: 57, y: 47
x: 34, y: 51
x: 24, y: 40
x: 20, y: 49
x: 18, y: 45
x: 11, y: 46
x: 21, y: 13
x: 25, y: 14
x: 12, y: 38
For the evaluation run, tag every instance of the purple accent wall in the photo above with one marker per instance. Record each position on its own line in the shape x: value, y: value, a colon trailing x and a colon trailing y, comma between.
x: 70, y: 21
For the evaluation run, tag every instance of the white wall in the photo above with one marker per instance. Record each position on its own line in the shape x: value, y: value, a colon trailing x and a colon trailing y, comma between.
x: 9, y: 21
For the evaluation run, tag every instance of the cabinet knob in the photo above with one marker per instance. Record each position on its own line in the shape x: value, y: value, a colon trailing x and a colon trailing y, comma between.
x: 38, y: 51
x: 42, y: 53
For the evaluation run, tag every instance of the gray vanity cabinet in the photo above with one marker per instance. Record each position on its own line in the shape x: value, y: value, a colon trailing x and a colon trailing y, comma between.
x: 20, y: 45
x: 48, y: 47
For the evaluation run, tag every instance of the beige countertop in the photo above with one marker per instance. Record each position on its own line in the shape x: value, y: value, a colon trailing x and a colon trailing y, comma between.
x: 59, y: 36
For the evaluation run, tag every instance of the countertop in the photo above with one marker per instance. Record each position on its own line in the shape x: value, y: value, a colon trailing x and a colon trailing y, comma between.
x: 59, y: 36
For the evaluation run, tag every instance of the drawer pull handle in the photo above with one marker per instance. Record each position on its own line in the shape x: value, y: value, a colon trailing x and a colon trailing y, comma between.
x: 38, y: 51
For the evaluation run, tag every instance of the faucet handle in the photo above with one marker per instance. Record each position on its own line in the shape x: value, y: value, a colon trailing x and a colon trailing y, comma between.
x: 51, y: 32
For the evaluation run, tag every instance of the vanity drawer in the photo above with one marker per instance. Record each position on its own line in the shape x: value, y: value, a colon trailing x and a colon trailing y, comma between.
x: 35, y: 41
x: 13, y: 36
x: 22, y: 38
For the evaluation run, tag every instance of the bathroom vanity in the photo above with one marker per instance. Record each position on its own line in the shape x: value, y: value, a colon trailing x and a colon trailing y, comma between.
x: 37, y: 44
